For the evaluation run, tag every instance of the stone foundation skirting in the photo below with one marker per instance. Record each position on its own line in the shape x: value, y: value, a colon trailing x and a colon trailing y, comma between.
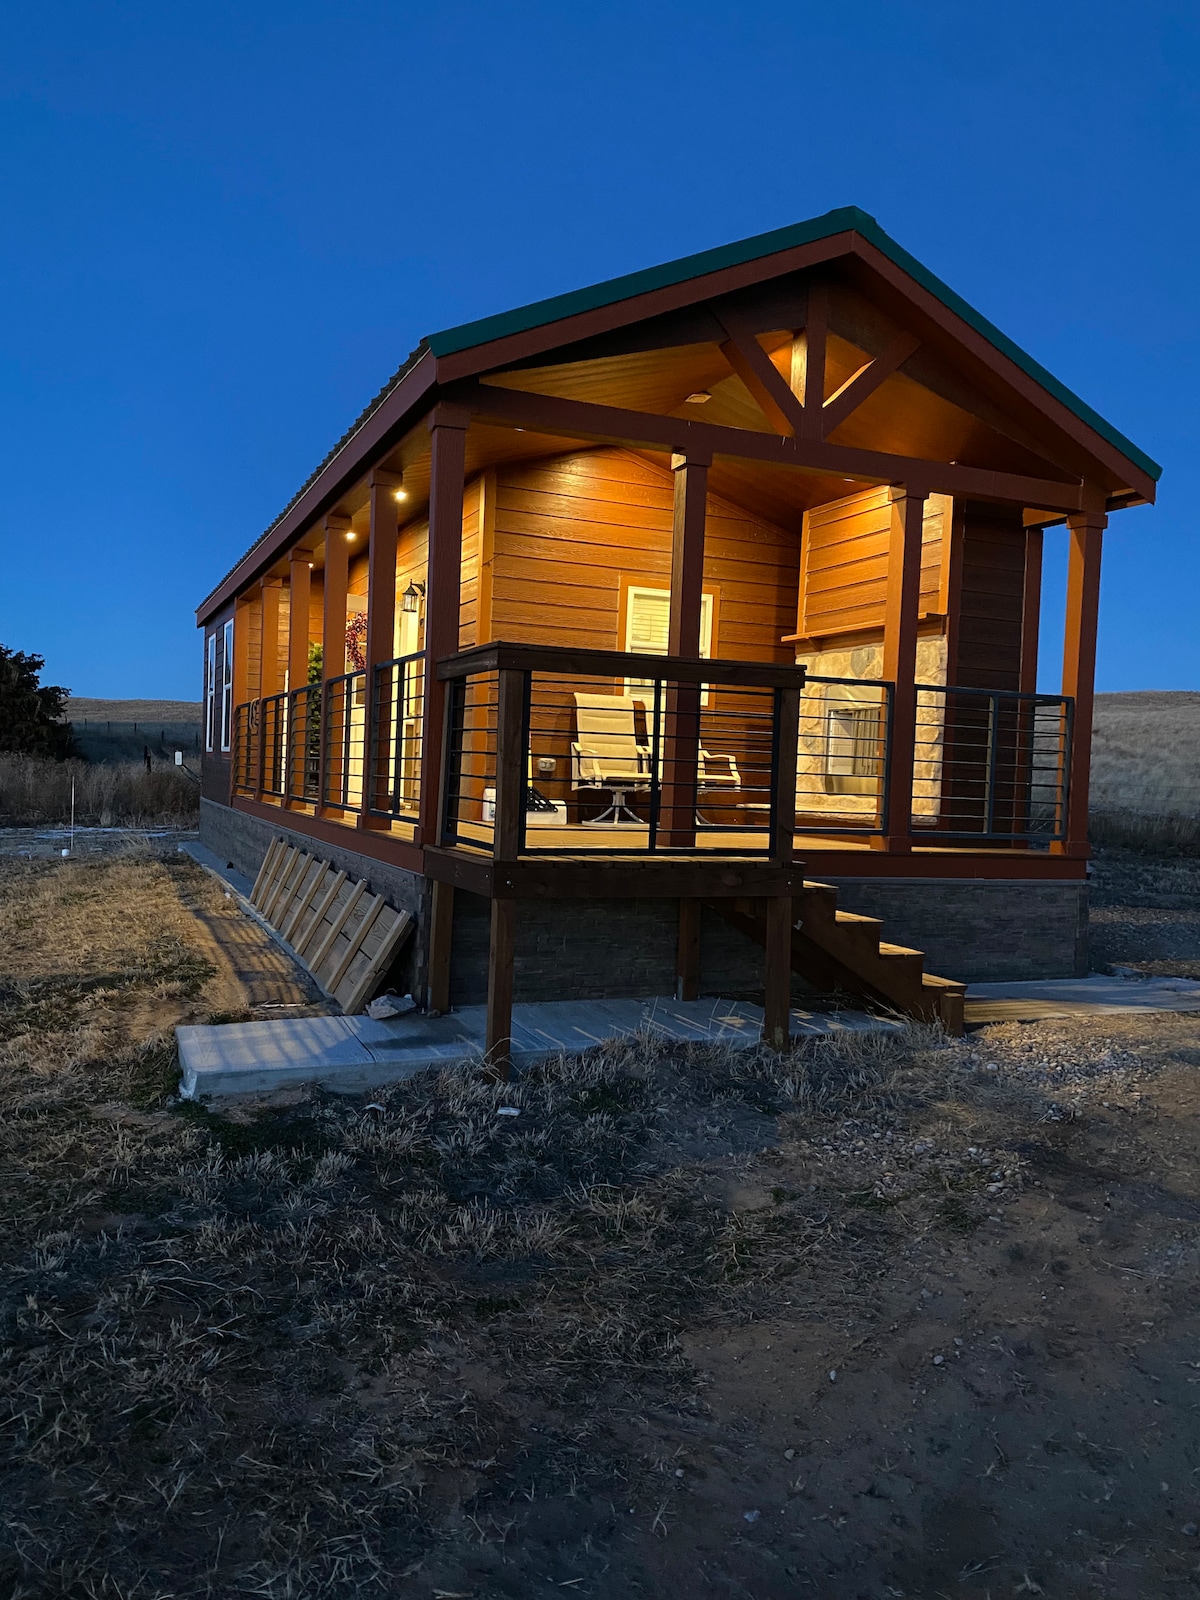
x: 970, y: 929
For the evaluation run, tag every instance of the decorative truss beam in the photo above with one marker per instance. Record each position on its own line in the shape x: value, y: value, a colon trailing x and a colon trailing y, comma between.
x: 643, y: 430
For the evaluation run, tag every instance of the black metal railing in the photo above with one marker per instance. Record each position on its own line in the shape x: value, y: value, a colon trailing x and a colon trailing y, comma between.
x: 991, y: 764
x: 245, y: 748
x: 397, y: 709
x: 641, y: 754
x: 343, y: 738
x: 554, y: 751
x: 844, y: 762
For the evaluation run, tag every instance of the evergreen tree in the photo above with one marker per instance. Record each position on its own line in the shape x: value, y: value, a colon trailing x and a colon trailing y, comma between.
x: 32, y: 715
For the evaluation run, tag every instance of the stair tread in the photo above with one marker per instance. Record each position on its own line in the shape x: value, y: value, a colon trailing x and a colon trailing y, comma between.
x: 886, y: 949
x: 932, y: 981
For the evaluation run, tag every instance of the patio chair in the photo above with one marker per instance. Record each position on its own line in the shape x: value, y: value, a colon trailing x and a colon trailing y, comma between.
x: 713, y: 779
x: 606, y: 754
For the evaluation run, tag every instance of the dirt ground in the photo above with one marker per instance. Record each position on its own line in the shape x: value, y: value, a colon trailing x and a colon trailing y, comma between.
x: 881, y: 1318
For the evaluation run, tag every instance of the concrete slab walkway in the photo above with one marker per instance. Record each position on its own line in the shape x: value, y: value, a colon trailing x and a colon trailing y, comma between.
x: 353, y: 1054
x: 1096, y: 995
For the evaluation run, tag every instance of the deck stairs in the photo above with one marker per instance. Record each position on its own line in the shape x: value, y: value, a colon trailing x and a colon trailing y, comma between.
x: 845, y: 953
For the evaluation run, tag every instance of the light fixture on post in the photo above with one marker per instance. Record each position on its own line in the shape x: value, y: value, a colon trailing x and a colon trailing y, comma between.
x: 410, y: 600
x: 399, y: 492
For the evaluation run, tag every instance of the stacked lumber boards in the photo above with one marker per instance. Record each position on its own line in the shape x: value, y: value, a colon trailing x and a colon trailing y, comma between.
x: 343, y: 934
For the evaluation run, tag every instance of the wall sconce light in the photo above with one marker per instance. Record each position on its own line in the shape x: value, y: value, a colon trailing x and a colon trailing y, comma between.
x: 410, y: 600
x: 399, y: 494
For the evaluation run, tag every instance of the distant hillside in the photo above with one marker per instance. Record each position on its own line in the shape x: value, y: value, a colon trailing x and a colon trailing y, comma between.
x: 1146, y: 752
x: 79, y: 708
x: 123, y: 730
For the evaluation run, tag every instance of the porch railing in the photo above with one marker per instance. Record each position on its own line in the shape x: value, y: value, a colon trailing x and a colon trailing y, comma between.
x: 700, y: 760
x: 553, y: 751
x: 844, y: 760
x: 307, y: 746
x: 991, y: 765
x: 397, y: 708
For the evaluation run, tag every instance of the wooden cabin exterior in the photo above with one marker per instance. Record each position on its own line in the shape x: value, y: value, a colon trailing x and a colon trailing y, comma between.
x: 772, y: 516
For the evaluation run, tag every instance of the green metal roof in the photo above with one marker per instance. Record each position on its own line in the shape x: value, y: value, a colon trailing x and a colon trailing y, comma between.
x: 847, y: 219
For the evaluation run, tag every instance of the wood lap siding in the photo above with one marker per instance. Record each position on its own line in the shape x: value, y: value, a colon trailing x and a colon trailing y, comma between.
x: 568, y: 530
x: 844, y: 583
x: 988, y: 654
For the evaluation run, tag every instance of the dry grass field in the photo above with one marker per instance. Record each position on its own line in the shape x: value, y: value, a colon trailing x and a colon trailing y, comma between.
x: 900, y: 1316
x: 1146, y: 769
x: 150, y: 712
x: 34, y: 790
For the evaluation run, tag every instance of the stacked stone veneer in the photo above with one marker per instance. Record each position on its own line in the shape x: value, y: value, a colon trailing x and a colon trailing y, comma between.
x: 595, y: 949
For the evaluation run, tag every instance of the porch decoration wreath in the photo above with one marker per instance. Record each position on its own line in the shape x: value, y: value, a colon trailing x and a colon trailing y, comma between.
x: 356, y: 641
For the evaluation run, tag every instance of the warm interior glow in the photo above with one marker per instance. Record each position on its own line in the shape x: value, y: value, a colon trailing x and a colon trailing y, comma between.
x: 400, y: 494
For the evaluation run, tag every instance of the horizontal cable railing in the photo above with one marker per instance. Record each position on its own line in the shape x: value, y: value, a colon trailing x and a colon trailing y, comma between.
x: 343, y: 735
x: 991, y: 764
x: 301, y: 756
x: 397, y: 708
x: 560, y: 751
x: 245, y: 748
x: 844, y: 755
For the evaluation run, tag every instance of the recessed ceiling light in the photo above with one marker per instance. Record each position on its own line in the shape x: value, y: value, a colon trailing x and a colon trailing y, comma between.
x: 701, y: 397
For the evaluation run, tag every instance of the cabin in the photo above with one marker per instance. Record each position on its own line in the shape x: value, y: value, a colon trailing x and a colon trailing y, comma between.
x: 680, y: 635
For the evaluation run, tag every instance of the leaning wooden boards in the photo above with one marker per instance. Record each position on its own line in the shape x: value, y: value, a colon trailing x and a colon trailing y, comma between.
x: 345, y: 935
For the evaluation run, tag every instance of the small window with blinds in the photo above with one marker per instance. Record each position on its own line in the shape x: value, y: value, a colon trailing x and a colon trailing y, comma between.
x: 227, y: 686
x: 210, y: 690
x: 647, y: 628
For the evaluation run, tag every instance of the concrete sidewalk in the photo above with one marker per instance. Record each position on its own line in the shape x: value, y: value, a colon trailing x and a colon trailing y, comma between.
x: 353, y: 1054
x: 1096, y: 995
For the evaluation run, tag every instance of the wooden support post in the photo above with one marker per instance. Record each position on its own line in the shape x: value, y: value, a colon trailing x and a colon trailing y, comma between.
x: 1031, y: 605
x: 1079, y: 665
x: 269, y: 676
x: 441, y: 933
x: 299, y: 600
x: 777, y: 1002
x: 687, y: 959
x: 380, y: 642
x: 512, y: 760
x: 783, y: 799
x: 448, y: 436
x: 501, y: 950
x: 681, y: 731
x: 333, y: 649
x: 900, y: 658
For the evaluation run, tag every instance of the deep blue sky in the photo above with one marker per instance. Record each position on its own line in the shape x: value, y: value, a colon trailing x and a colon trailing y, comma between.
x: 225, y: 225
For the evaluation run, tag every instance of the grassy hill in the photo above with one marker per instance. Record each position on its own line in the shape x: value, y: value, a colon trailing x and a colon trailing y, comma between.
x: 79, y: 708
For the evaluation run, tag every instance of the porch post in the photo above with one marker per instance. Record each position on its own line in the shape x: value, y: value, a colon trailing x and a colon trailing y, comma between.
x: 501, y: 949
x: 1031, y: 606
x: 1079, y: 666
x: 381, y: 635
x: 268, y: 677
x: 447, y: 467
x: 268, y: 664
x: 441, y: 935
x: 681, y: 741
x: 333, y: 641
x: 900, y: 657
x: 777, y: 999
x: 687, y: 952
x: 299, y: 600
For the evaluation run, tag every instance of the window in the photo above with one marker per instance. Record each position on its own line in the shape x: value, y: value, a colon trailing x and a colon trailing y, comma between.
x: 647, y: 628
x: 210, y: 690
x: 853, y: 748
x: 227, y: 686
